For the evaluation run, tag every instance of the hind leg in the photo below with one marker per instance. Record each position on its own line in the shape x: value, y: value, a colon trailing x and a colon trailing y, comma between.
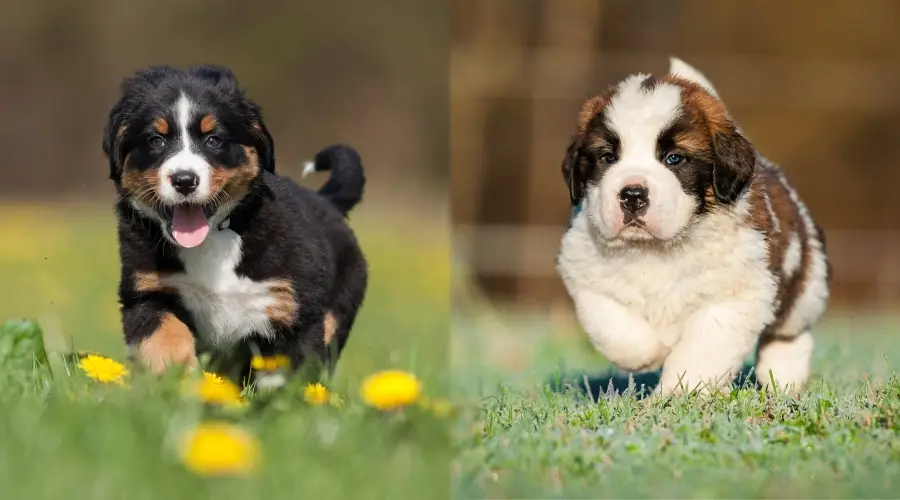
x: 784, y: 355
x: 784, y: 360
x: 346, y: 300
x: 338, y: 324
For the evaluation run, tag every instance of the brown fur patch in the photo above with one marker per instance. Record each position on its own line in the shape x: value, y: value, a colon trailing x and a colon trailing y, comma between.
x: 235, y: 182
x: 148, y: 282
x: 590, y: 108
x: 161, y: 126
x: 774, y: 214
x: 284, y: 307
x: 709, y: 197
x: 170, y: 344
x: 208, y: 124
x: 142, y: 184
x: 330, y: 324
x: 711, y: 109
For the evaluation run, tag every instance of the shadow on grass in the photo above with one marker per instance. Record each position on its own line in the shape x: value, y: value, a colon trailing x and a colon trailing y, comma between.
x: 641, y: 384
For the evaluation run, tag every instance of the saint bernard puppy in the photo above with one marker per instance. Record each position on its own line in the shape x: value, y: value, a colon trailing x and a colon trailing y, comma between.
x: 687, y: 248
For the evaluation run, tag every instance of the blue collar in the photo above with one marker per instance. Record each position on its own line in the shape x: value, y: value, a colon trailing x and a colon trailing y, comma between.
x: 576, y: 210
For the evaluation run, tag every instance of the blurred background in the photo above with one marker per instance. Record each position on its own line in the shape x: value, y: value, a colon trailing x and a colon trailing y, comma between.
x: 813, y: 84
x: 323, y: 72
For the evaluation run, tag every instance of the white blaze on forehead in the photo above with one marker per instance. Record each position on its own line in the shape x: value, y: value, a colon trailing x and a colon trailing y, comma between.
x: 183, y: 110
x: 639, y: 115
x: 185, y: 159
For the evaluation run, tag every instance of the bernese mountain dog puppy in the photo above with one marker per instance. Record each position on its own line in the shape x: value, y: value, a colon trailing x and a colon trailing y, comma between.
x: 220, y: 254
x: 689, y: 249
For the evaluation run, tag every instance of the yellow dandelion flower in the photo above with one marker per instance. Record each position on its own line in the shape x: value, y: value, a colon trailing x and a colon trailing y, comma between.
x: 218, y: 449
x: 213, y: 389
x: 269, y: 363
x: 316, y: 394
x: 103, y: 369
x: 391, y: 389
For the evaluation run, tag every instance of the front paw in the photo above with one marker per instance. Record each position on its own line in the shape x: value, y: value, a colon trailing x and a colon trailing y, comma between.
x: 632, y: 355
x: 170, y: 344
x: 636, y: 361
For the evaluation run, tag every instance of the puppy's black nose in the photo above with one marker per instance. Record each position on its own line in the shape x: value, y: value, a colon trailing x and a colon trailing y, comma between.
x: 634, y: 199
x: 185, y: 182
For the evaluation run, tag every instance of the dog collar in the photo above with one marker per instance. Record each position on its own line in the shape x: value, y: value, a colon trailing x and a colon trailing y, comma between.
x: 224, y: 224
x: 576, y: 210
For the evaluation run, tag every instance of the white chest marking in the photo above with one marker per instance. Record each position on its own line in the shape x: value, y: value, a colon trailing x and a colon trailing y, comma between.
x: 225, y: 307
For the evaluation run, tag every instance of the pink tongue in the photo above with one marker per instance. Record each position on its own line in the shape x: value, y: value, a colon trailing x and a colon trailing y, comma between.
x: 189, y: 225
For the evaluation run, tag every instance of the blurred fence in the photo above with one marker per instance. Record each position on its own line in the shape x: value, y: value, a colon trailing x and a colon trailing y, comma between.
x: 814, y: 85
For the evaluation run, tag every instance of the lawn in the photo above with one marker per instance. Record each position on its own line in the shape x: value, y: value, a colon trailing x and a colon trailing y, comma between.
x: 532, y: 431
x: 65, y: 435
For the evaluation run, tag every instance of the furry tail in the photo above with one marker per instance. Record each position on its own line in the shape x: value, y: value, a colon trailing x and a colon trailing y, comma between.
x: 344, y: 188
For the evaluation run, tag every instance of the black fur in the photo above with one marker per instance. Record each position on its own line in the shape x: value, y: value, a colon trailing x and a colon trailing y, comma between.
x: 734, y: 165
x: 584, y: 161
x: 288, y: 232
x: 572, y: 170
x: 345, y: 186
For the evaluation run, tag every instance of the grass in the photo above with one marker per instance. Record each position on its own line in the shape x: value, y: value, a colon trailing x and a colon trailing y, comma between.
x: 535, y: 432
x: 526, y: 430
x: 64, y: 435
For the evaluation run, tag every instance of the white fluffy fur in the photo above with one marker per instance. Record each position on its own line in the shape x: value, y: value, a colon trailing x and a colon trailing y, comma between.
x: 792, y: 256
x: 696, y: 304
x: 225, y: 307
x: 639, y: 116
x: 696, y: 309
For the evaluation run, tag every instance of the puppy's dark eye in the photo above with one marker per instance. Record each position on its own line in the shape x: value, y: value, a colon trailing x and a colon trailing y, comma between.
x: 156, y: 141
x: 213, y: 142
x: 674, y: 159
x: 609, y: 158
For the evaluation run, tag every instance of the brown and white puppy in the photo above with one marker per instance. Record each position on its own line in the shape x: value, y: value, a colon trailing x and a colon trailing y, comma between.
x: 689, y: 249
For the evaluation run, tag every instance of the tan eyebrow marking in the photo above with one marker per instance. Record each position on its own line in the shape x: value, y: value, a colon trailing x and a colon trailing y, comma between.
x: 161, y: 126
x: 207, y: 124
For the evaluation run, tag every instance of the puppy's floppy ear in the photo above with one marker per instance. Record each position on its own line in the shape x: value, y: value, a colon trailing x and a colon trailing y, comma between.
x: 573, y: 171
x: 264, y: 144
x: 734, y: 165
x: 116, y: 134
x: 259, y: 134
x: 113, y: 137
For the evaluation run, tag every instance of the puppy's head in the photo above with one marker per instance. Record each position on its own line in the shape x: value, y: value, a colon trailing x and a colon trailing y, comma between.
x: 185, y: 147
x: 654, y: 154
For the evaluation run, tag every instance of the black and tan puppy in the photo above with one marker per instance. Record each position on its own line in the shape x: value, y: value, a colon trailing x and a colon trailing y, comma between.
x: 219, y: 254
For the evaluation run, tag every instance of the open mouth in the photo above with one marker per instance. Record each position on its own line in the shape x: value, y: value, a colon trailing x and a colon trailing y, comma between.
x: 188, y: 223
